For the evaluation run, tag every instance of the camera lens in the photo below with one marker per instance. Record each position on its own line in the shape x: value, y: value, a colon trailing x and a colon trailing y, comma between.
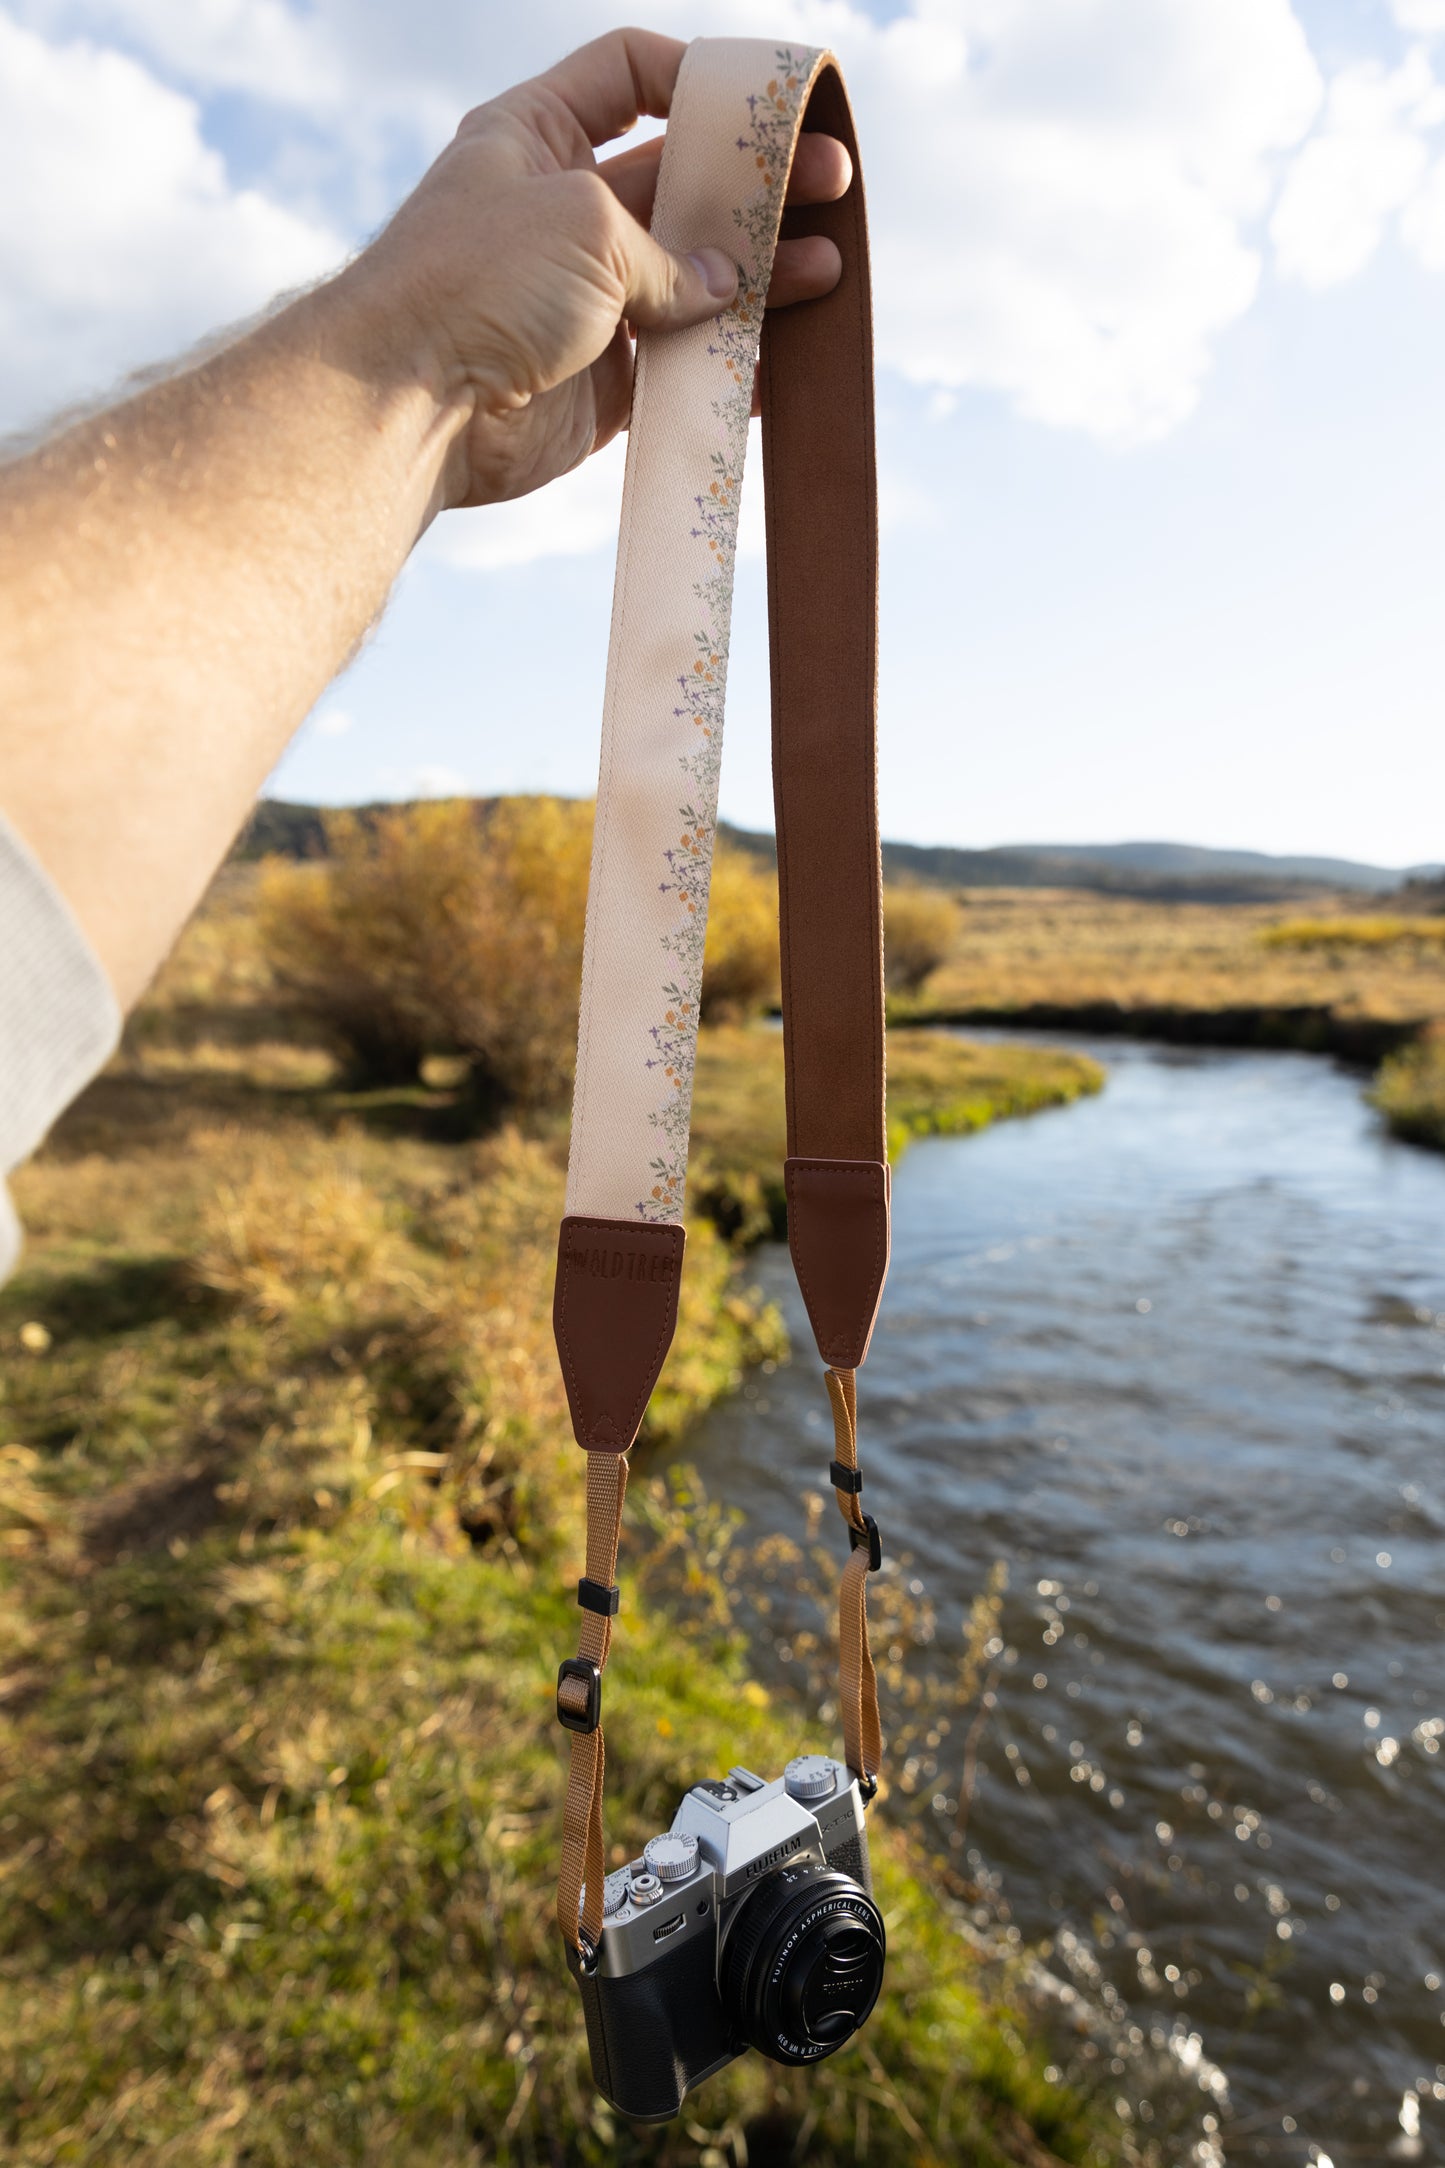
x: 803, y: 1963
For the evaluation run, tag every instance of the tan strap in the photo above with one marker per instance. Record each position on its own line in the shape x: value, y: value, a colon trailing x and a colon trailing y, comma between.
x: 583, y: 1868
x: 857, y: 1679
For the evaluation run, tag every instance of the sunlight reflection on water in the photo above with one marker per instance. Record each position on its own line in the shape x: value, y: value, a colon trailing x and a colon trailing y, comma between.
x: 1177, y: 1355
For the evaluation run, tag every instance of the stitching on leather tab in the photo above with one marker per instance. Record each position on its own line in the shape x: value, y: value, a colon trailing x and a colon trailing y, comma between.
x: 664, y: 1337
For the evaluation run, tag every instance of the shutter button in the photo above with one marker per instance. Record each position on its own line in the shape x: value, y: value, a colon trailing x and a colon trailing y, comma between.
x: 643, y: 1887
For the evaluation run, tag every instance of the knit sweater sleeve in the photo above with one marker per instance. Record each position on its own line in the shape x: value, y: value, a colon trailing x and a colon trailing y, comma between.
x: 59, y: 1019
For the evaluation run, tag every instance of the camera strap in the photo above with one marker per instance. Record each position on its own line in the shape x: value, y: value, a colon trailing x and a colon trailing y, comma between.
x: 739, y: 107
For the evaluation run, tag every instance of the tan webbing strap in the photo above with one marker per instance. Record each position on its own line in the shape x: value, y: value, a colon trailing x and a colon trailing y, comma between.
x: 857, y: 1679
x: 583, y: 1854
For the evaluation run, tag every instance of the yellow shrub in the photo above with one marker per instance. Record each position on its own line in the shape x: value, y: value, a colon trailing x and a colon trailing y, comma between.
x: 440, y: 929
x: 1355, y: 933
x: 295, y: 1224
x: 1410, y: 1090
x: 920, y: 927
x: 741, y: 969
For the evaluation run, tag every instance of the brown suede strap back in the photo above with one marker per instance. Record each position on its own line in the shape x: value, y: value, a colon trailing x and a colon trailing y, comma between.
x: 822, y: 502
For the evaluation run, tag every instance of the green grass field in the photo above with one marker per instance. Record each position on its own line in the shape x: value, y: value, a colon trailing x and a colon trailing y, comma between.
x: 288, y: 1522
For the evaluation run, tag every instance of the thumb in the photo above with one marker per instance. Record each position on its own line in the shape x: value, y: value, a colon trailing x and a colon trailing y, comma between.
x: 666, y: 292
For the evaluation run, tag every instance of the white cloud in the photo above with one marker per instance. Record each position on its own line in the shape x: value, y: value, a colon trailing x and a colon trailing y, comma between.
x: 429, y: 780
x: 262, y: 46
x: 432, y: 780
x: 122, y: 240
x: 580, y: 511
x: 1423, y: 18
x: 1422, y: 221
x: 333, y: 722
x: 1366, y: 162
x: 1063, y: 210
x: 571, y: 516
x: 1061, y: 198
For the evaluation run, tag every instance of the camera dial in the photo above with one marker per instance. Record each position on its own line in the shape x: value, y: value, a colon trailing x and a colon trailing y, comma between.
x: 673, y: 1857
x: 803, y: 1963
x: 809, y: 1777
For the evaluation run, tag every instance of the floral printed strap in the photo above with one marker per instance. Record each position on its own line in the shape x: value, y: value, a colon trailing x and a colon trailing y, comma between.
x: 729, y: 146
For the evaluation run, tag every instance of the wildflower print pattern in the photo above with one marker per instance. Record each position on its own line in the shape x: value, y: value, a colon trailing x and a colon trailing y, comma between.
x: 702, y: 681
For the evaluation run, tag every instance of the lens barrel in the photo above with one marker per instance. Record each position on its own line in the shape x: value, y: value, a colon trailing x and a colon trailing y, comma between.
x: 802, y: 1963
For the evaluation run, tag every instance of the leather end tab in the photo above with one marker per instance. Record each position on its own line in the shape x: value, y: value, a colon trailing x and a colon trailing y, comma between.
x: 614, y: 1313
x: 838, y: 1234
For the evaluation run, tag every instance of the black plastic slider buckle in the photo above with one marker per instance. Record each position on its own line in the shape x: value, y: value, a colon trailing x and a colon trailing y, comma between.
x: 845, y: 1479
x: 589, y: 1716
x: 603, y: 1597
x: 868, y: 1534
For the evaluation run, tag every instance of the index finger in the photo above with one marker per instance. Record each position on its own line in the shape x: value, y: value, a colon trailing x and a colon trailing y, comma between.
x: 608, y: 85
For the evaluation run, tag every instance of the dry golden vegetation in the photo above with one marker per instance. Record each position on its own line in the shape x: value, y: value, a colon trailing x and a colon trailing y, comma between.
x: 1410, y: 1090
x: 921, y: 931
x: 288, y: 1523
x: 425, y: 931
x: 741, y: 973
x: 1400, y: 934
x: 1072, y: 950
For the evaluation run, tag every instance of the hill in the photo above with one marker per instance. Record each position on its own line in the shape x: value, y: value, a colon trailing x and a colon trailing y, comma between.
x: 1180, y: 872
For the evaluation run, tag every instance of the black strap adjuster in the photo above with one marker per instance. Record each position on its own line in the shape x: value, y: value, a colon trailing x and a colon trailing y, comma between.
x: 603, y: 1597
x: 868, y: 1534
x: 588, y: 1715
x: 845, y: 1479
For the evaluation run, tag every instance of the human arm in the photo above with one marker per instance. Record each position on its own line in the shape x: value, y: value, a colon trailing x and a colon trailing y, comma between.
x: 182, y: 575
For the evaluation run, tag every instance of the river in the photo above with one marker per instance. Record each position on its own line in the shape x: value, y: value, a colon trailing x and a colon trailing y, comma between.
x: 1176, y: 1355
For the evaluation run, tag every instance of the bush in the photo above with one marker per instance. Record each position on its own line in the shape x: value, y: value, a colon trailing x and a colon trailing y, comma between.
x: 435, y: 929
x: 920, y: 927
x: 741, y: 971
x: 1410, y: 1090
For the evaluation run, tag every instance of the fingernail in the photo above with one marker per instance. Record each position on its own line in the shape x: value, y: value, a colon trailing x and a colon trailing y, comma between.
x: 718, y: 272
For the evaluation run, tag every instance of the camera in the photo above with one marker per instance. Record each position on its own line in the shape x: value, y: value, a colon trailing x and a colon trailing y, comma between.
x: 749, y: 1923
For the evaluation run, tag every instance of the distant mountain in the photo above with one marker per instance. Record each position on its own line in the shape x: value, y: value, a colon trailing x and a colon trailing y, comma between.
x: 1178, y: 871
x: 1181, y: 871
x: 1189, y: 860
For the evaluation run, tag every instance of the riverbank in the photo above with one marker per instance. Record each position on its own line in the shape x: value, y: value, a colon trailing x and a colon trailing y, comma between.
x: 938, y: 1085
x: 1307, y: 1028
x: 1194, y: 974
x: 288, y: 1514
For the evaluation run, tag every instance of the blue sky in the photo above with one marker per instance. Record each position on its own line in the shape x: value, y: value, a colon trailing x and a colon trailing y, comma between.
x: 1161, y: 390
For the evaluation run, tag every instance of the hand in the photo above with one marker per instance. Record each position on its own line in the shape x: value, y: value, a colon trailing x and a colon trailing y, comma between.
x: 521, y: 263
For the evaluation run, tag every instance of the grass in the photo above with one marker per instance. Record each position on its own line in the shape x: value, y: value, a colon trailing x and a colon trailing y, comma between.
x: 1069, y: 950
x: 1410, y: 1092
x: 1357, y: 933
x: 288, y: 1513
x: 938, y: 1085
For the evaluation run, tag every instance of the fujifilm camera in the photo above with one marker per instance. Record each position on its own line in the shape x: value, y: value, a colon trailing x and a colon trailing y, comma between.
x: 750, y: 1923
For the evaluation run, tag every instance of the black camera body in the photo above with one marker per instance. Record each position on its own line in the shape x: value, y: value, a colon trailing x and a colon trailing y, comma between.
x: 750, y: 1923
